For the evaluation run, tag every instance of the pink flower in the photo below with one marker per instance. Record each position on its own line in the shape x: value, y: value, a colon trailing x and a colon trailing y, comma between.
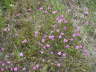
x: 78, y: 29
x: 1, y: 49
x: 47, y: 46
x: 76, y: 34
x: 21, y: 54
x: 67, y: 46
x: 51, y: 52
x: 54, y: 12
x: 64, y: 54
x: 11, y: 69
x: 36, y: 34
x: 46, y: 12
x: 85, y: 52
x: 61, y: 19
x: 8, y: 62
x: 51, y: 37
x: 65, y: 28
x: 15, y: 69
x: 86, y: 12
x: 77, y: 47
x: 44, y: 47
x: 60, y: 36
x: 81, y: 46
x: 59, y: 53
x: 71, y: 39
x: 65, y: 40
x: 43, y: 40
x: 1, y: 69
x: 41, y: 8
x: 61, y: 33
x: 65, y: 21
x: 25, y: 41
x: 58, y: 65
x: 35, y: 67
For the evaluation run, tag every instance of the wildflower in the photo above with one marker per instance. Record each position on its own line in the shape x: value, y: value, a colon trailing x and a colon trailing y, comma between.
x: 35, y: 67
x: 25, y: 41
x: 1, y: 49
x: 61, y: 33
x: 47, y: 46
x: 8, y: 62
x: 65, y: 21
x: 51, y: 52
x: 44, y: 47
x: 77, y: 47
x: 15, y: 68
x: 76, y: 34
x: 51, y: 37
x: 2, y: 69
x: 65, y: 28
x: 11, y: 69
x: 64, y: 54
x: 71, y: 39
x: 46, y: 12
x: 54, y: 12
x: 67, y: 46
x: 58, y: 64
x: 81, y: 46
x: 86, y: 13
x: 85, y: 52
x: 65, y: 40
x: 43, y: 40
x: 21, y: 54
x: 41, y: 8
x: 36, y: 34
x: 60, y: 36
x: 59, y: 53
x: 44, y: 36
x: 60, y: 19
x: 78, y: 29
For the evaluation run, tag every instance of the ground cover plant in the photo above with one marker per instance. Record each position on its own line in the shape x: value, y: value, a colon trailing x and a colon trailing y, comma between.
x: 40, y: 36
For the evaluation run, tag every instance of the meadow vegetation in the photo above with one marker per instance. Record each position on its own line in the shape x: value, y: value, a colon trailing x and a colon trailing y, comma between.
x: 46, y: 35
